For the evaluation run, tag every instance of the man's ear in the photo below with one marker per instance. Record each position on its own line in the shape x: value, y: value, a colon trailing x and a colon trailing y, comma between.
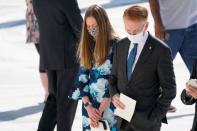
x: 146, y: 25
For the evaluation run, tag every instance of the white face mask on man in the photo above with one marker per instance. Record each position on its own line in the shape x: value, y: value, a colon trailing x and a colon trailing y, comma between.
x: 136, y: 38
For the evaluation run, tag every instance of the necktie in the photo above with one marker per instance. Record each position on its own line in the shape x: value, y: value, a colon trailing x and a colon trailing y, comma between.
x: 131, y: 60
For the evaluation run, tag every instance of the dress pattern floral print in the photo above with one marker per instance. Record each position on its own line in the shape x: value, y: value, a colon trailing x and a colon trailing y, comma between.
x: 31, y: 24
x: 94, y: 84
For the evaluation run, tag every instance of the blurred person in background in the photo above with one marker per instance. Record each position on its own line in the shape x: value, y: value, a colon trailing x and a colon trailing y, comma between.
x: 189, y: 95
x: 33, y: 37
x: 176, y: 24
x: 60, y: 25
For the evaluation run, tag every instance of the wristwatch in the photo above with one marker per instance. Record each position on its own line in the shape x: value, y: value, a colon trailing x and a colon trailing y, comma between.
x: 87, y: 104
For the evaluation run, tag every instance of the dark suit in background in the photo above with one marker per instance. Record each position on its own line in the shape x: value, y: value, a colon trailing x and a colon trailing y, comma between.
x: 60, y: 25
x: 188, y: 100
x: 152, y: 83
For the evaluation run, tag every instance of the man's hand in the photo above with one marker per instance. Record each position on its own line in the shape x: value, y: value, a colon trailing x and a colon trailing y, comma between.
x: 117, y: 103
x: 160, y: 31
x: 191, y: 91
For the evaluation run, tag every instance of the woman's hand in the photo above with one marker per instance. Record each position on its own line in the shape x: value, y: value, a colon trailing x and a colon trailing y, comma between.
x: 93, y: 114
x: 94, y: 123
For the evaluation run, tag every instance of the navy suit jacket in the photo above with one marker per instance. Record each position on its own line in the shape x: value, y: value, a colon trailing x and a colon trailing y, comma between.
x: 152, y: 83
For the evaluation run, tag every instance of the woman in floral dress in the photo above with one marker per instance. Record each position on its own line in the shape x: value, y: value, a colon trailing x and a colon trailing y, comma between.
x: 95, y: 55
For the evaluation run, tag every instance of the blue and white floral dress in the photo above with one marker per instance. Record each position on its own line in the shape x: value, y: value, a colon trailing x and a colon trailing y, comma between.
x: 94, y: 84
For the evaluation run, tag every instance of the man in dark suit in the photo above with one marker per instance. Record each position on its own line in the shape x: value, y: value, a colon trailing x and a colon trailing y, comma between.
x: 60, y: 24
x: 189, y: 95
x: 143, y: 70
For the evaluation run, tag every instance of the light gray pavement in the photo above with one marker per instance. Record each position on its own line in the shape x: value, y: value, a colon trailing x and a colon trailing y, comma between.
x: 21, y: 93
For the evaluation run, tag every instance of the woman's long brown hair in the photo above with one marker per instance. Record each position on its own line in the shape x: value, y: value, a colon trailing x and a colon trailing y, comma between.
x: 101, y: 43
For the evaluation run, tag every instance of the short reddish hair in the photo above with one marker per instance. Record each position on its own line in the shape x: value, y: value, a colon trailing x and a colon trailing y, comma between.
x: 136, y: 13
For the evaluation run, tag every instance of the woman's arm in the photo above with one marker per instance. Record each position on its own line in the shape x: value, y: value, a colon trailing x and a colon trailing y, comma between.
x: 93, y: 113
x: 104, y: 104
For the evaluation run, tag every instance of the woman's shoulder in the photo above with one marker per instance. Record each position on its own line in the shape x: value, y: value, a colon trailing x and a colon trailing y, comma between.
x: 115, y: 38
x: 114, y: 41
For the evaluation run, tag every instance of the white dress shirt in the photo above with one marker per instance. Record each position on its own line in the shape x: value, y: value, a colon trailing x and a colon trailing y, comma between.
x: 140, y: 46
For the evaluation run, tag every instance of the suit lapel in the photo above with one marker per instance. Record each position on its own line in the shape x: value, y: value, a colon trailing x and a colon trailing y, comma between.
x: 146, y: 51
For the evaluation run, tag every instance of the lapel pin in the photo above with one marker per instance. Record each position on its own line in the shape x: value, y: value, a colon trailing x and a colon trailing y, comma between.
x: 150, y: 47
